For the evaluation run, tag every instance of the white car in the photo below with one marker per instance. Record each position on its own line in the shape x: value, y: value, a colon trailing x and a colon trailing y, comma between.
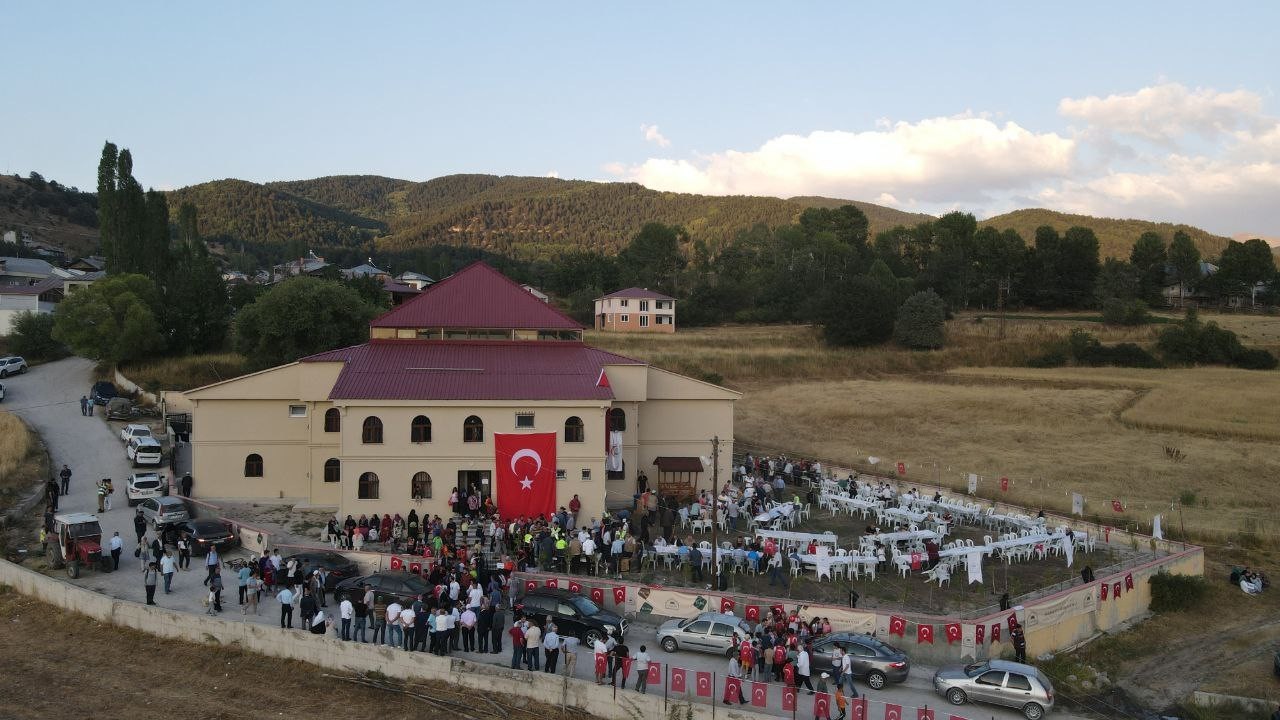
x: 12, y: 366
x: 144, y: 451
x: 132, y: 431
x: 145, y: 485
x: 1, y: 393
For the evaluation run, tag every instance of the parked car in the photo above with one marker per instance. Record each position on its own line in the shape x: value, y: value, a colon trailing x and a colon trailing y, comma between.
x: 164, y: 510
x: 711, y: 632
x: 206, y: 533
x: 141, y: 486
x: 998, y: 682
x: 573, y: 614
x: 389, y: 584
x: 339, y: 567
x: 1, y: 392
x: 875, y: 661
x: 102, y: 391
x: 12, y: 365
x: 132, y: 431
x: 144, y: 451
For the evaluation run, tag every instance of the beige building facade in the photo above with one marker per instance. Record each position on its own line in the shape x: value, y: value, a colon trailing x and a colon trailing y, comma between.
x: 398, y: 423
x: 635, y: 310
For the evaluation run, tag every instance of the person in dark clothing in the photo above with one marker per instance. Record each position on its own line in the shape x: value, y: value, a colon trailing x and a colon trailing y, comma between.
x: 186, y: 485
x: 307, y: 606
x: 139, y: 524
x: 484, y: 626
x: 66, y: 479
x: 496, y: 629
x: 51, y: 490
x: 1019, y: 644
x: 616, y: 656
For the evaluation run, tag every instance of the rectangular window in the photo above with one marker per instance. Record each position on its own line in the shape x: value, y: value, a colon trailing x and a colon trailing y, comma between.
x: 625, y: 318
x: 524, y: 420
x: 624, y: 302
x: 561, y: 474
x: 586, y: 474
x: 644, y: 306
x: 297, y: 411
x: 644, y: 321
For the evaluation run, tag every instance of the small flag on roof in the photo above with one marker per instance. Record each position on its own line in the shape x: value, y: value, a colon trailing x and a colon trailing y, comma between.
x: 603, y: 380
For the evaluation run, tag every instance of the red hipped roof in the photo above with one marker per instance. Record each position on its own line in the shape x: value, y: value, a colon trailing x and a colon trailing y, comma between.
x: 476, y: 296
x: 470, y: 370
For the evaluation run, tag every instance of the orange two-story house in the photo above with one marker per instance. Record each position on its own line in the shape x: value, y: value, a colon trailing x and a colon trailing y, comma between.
x: 636, y: 310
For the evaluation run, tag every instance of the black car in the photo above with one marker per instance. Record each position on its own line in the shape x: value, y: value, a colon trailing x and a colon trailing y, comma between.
x: 389, y: 584
x: 339, y: 567
x: 573, y: 614
x: 102, y: 392
x: 206, y: 533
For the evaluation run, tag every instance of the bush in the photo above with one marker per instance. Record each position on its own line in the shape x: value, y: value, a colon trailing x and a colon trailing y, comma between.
x: 859, y: 311
x: 32, y: 337
x: 1051, y: 359
x: 1190, y: 342
x: 1256, y: 359
x: 1176, y: 593
x: 1084, y: 349
x: 921, y: 323
x: 1125, y: 312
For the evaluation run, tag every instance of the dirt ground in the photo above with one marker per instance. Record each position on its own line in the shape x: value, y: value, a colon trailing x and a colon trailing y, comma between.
x: 60, y: 664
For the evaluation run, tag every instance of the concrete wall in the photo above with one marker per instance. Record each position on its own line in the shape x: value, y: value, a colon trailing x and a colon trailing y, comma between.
x: 347, y: 657
x: 129, y: 387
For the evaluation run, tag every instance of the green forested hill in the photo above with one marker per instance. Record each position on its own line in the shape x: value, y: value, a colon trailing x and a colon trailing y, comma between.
x: 370, y: 196
x: 880, y: 217
x: 1115, y: 237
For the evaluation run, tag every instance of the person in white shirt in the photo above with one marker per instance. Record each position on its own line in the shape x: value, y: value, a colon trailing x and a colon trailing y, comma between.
x: 467, y: 622
x: 474, y: 594
x: 599, y: 649
x: 395, y: 636
x: 532, y: 646
x: 641, y: 659
x: 802, y: 670
x: 454, y: 590
x: 168, y: 566
x: 117, y: 547
x: 846, y: 672
x: 346, y: 611
x: 451, y: 622
x: 407, y: 618
x: 550, y: 649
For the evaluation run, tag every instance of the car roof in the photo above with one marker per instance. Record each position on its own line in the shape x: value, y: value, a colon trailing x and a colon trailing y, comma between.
x: 719, y: 617
x: 1010, y: 666
x: 170, y: 501
x: 144, y: 440
x: 206, y: 522
x: 137, y: 426
x: 74, y: 518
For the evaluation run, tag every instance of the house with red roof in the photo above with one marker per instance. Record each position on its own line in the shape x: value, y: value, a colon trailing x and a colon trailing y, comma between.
x: 432, y: 403
x: 636, y: 310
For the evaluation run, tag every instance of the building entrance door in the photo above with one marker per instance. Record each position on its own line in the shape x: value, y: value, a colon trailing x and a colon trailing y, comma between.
x: 473, y: 482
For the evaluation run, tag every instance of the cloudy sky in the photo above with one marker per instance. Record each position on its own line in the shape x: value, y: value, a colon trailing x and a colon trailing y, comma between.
x: 1152, y: 110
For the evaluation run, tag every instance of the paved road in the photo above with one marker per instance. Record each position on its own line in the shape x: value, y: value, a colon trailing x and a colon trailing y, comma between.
x: 48, y: 398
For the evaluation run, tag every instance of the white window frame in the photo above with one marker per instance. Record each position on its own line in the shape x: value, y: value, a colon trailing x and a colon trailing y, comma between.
x: 521, y: 415
x: 644, y: 306
x: 624, y: 318
x: 297, y: 411
x: 624, y: 302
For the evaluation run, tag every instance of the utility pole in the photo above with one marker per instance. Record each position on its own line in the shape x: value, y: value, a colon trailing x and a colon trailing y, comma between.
x: 715, y: 510
x: 1002, y: 288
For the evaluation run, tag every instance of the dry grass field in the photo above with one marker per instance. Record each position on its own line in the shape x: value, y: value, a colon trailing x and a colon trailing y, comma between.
x: 185, y: 373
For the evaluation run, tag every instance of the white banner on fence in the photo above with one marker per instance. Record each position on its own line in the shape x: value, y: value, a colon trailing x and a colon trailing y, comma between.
x: 1157, y: 532
x: 1077, y: 504
x: 973, y: 483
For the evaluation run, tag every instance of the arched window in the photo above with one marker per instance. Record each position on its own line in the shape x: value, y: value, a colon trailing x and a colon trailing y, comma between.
x: 372, y: 434
x: 420, y: 487
x: 332, y: 470
x: 368, y: 489
x: 617, y: 419
x: 573, y: 430
x: 420, y: 431
x: 473, y: 430
x: 332, y: 420
x: 253, y: 465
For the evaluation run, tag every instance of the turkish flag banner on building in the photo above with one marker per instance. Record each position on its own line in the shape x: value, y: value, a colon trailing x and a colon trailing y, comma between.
x: 980, y: 634
x: 788, y: 698
x: 995, y: 632
x: 530, y: 585
x: 953, y: 632
x: 777, y: 609
x: 575, y: 586
x: 892, y: 712
x: 822, y: 705
x: 924, y: 634
x: 602, y: 664
x: 1115, y: 591
x: 397, y: 563
x: 753, y: 613
x: 1128, y: 581
x: 924, y: 714
x: 704, y: 684
x: 597, y: 596
x: 1102, y: 592
x: 526, y: 466
x: 726, y: 605
x: 677, y: 680
x: 619, y: 595
x: 553, y: 583
x: 858, y: 708
x: 415, y: 568
x: 759, y: 694
x: 1012, y: 620
x: 897, y: 625
x: 655, y: 673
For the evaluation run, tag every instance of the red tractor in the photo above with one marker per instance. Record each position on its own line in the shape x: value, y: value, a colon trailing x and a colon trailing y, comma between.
x: 79, y: 544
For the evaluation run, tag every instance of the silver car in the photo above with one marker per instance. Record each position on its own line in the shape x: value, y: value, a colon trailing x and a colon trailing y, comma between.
x: 164, y: 510
x: 998, y: 682
x: 711, y: 632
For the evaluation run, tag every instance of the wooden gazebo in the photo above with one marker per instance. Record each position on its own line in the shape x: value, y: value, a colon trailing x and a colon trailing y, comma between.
x: 678, y: 476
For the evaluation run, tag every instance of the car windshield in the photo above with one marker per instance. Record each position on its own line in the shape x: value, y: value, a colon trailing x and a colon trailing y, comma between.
x: 585, y: 606
x: 415, y: 584
x: 976, y: 669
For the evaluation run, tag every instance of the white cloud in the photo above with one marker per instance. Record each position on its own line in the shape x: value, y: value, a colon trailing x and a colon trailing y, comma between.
x: 1166, y: 112
x: 552, y: 174
x: 935, y: 160
x: 652, y: 135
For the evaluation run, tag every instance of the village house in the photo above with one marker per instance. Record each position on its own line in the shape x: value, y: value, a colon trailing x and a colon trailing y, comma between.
x: 636, y: 310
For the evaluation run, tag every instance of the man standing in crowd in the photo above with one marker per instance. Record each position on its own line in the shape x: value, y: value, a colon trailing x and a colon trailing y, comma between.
x: 285, y: 596
x: 642, y: 671
x: 550, y: 649
x: 117, y: 547
x: 346, y: 611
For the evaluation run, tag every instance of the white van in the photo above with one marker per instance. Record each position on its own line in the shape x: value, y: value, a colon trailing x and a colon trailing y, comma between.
x: 144, y: 451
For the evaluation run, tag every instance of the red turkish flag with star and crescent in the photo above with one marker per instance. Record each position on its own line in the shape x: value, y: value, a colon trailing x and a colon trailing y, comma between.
x: 704, y: 684
x: 526, y: 467
x: 897, y: 625
x: 530, y: 585
x: 553, y: 583
x: 892, y: 712
x: 788, y: 698
x: 575, y: 586
x: 726, y: 605
x: 415, y: 568
x: 619, y: 595
x: 924, y: 634
x: 602, y: 664
x: 597, y: 596
x: 822, y: 705
x: 858, y: 708
x: 626, y: 667
x: 980, y: 634
x: 1102, y: 592
x: 655, y: 673
x: 924, y: 713
x: 1128, y: 581
x: 1115, y: 591
x: 397, y: 563
x: 677, y: 680
x: 759, y: 694
x: 953, y: 632
x: 995, y: 632
x: 753, y: 611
